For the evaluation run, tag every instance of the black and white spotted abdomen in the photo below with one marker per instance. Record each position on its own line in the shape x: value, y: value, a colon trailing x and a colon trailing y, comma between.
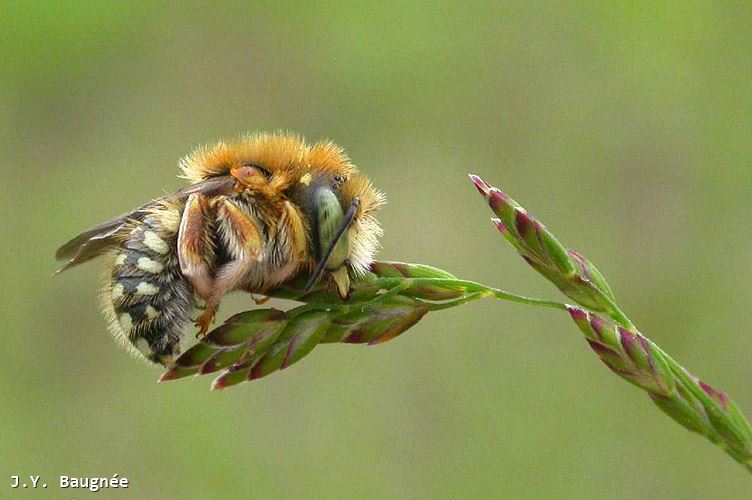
x: 147, y: 299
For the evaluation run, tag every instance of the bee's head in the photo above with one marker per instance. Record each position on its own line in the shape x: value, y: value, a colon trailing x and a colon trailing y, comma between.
x: 319, y: 179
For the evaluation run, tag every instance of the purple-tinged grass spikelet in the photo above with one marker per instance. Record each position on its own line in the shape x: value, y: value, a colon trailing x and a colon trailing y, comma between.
x: 626, y: 352
x: 696, y: 405
x: 574, y: 275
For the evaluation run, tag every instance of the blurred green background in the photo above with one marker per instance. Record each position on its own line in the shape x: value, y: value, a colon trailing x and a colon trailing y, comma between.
x: 625, y: 127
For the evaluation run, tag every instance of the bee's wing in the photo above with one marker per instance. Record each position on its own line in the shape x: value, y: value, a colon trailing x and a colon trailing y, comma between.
x: 89, y: 244
x: 98, y: 239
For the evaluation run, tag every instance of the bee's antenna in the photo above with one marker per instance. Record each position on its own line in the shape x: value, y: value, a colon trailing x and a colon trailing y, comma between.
x: 346, y: 221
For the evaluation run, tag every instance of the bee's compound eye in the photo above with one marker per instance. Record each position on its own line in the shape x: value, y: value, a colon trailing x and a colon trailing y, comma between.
x: 339, y: 179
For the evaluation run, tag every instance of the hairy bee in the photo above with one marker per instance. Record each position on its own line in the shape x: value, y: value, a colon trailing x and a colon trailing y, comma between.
x: 258, y: 212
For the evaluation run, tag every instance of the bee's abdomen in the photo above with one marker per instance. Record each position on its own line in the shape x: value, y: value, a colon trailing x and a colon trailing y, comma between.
x: 148, y: 295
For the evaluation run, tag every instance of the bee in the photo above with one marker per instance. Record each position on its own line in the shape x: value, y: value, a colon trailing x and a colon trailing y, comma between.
x: 258, y: 212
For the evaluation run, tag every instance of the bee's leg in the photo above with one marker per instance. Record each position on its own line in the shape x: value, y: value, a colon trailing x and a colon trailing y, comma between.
x: 228, y: 278
x: 247, y: 243
x: 195, y: 249
x: 204, y: 321
x: 291, y: 232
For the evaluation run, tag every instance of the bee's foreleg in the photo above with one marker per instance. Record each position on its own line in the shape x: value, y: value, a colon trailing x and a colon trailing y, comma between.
x: 195, y: 249
x: 292, y: 222
x: 247, y: 241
